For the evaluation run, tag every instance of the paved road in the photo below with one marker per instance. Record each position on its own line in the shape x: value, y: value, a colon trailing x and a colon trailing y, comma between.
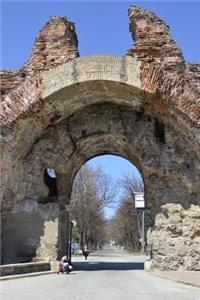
x: 108, y: 275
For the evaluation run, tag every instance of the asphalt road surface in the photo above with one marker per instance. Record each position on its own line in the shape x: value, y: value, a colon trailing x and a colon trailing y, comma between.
x: 107, y: 275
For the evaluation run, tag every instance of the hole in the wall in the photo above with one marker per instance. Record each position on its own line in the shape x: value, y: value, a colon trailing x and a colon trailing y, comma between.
x: 56, y: 116
x: 139, y: 115
x: 23, y: 75
x: 159, y: 131
x: 51, y: 181
x: 84, y: 132
x: 149, y: 119
x: 36, y: 141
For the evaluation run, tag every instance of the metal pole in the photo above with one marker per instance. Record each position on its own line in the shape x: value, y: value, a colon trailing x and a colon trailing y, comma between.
x: 143, y: 242
x: 139, y: 222
x: 68, y: 233
x: 70, y: 242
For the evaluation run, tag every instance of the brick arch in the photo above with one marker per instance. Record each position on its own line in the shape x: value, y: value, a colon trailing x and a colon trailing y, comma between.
x: 121, y: 118
x: 96, y: 145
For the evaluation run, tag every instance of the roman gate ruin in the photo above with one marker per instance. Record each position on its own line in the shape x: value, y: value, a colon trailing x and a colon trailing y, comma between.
x: 60, y: 110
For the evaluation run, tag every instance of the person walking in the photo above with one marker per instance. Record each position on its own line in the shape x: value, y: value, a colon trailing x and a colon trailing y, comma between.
x: 85, y: 252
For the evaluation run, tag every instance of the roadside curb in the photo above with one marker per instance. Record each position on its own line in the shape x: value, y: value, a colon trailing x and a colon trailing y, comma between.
x: 174, y: 280
x: 10, y: 277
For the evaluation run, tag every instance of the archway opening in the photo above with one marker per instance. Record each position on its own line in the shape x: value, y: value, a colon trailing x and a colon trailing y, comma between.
x: 103, y: 206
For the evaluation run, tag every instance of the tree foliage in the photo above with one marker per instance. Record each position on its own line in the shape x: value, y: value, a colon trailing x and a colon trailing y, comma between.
x: 92, y: 192
x: 125, y: 223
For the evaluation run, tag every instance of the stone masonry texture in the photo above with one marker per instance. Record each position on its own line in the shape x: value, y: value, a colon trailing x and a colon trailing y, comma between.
x: 59, y: 110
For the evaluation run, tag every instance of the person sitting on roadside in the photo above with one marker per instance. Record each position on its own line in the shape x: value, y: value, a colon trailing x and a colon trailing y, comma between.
x: 65, y: 265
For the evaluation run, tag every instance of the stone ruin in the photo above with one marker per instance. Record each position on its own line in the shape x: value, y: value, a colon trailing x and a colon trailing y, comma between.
x: 59, y: 110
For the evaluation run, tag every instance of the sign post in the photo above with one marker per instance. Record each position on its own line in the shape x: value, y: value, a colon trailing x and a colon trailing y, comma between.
x: 140, y: 205
x: 72, y: 224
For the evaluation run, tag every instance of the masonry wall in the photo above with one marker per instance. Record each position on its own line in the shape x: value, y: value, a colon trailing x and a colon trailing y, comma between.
x: 30, y: 232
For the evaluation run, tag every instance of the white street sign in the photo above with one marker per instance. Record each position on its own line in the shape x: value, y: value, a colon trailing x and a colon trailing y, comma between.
x: 139, y: 200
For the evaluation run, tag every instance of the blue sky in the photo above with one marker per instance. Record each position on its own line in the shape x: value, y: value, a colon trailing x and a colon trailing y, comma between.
x: 120, y: 166
x: 116, y: 167
x: 102, y: 28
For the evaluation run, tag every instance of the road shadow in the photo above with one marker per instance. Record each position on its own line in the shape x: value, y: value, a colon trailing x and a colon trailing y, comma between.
x: 110, y: 266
